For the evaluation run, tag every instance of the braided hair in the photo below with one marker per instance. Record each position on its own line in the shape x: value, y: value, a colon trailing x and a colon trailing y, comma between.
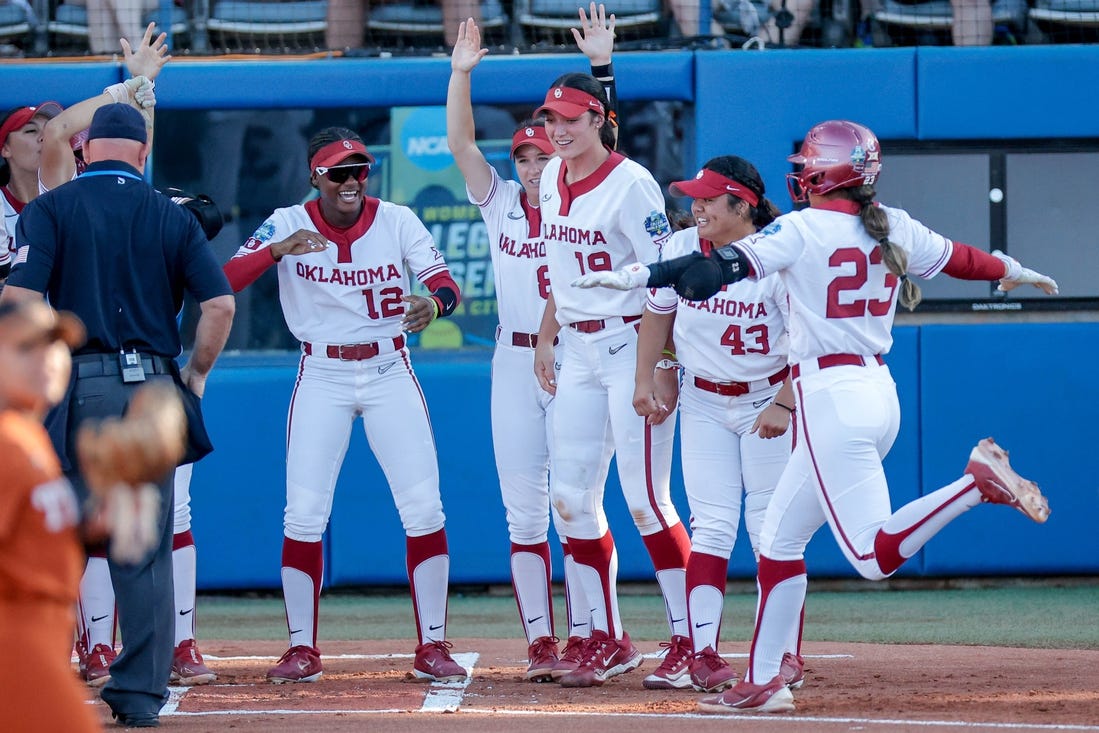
x: 876, y: 224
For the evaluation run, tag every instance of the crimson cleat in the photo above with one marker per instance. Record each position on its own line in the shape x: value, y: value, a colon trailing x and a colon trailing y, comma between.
x: 674, y: 673
x: 570, y: 657
x: 434, y: 663
x: 602, y: 658
x: 744, y: 697
x: 711, y: 673
x: 542, y: 654
x: 792, y: 670
x: 299, y: 664
x: 999, y: 484
x: 95, y: 666
x: 188, y: 667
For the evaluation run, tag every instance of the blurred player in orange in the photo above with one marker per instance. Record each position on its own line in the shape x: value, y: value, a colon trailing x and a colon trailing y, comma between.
x: 41, y: 555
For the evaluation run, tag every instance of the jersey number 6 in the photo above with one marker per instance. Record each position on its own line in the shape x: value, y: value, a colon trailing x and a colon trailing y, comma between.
x: 858, y: 307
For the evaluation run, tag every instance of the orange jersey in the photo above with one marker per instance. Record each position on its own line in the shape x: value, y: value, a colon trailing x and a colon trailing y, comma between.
x: 41, y: 557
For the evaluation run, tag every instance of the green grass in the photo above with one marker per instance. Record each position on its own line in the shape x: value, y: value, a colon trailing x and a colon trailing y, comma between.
x: 1021, y: 615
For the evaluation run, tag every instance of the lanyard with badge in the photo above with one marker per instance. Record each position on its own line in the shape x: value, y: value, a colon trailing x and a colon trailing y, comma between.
x: 130, y: 364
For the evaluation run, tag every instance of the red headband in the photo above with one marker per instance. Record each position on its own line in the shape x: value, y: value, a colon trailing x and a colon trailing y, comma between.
x: 336, y: 152
x: 23, y: 115
x: 533, y: 135
x: 707, y: 184
x: 570, y: 103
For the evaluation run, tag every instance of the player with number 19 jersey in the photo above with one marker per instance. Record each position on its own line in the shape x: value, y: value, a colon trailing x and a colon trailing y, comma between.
x: 610, y: 219
x: 841, y: 298
x: 350, y: 292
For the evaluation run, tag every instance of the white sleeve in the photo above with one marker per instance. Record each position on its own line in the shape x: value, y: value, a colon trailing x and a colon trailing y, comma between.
x: 273, y: 229
x: 420, y: 253
x: 644, y: 220
x: 928, y: 251
x: 773, y: 248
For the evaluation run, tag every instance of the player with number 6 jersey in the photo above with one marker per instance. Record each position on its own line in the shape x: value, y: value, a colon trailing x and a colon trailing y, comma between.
x: 736, y: 404
x: 343, y: 263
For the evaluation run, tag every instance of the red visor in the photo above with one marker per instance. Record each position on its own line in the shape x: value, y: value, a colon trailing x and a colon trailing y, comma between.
x: 569, y: 103
x: 336, y: 152
x: 23, y: 115
x: 534, y: 135
x: 708, y: 184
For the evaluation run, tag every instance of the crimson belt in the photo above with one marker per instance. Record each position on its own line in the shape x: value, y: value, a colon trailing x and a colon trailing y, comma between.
x: 352, y: 352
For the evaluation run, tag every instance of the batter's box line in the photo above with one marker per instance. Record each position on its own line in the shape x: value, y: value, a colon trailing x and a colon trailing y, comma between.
x: 441, y: 697
x: 259, y: 658
x: 743, y: 655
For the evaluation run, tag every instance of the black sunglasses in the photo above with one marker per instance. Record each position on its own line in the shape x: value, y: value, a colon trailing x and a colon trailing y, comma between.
x: 340, y: 173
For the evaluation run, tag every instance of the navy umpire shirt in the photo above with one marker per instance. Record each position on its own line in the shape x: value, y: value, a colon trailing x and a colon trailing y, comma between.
x: 120, y: 255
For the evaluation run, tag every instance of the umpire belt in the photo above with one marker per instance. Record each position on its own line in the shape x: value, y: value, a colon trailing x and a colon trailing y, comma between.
x: 735, y: 389
x: 354, y: 352
x: 106, y: 365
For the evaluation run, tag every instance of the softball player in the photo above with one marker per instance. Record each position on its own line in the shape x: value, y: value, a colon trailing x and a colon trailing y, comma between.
x: 735, y: 406
x: 520, y: 408
x: 345, y: 294
x: 20, y: 156
x: 846, y: 261
x: 601, y: 210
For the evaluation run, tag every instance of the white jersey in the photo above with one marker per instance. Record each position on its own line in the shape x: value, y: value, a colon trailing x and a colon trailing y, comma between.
x: 350, y: 292
x: 738, y: 335
x: 613, y: 218
x: 519, y: 265
x: 842, y: 298
x: 11, y: 219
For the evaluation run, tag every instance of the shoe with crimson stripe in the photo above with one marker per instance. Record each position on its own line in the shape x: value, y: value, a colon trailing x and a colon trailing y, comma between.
x: 570, y: 657
x: 792, y: 670
x: 711, y: 673
x: 542, y: 654
x: 188, y: 667
x: 744, y: 697
x: 434, y: 663
x: 674, y: 673
x: 603, y: 658
x: 999, y: 484
x: 299, y: 664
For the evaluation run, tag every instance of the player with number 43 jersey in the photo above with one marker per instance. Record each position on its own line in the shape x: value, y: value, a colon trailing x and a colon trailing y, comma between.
x: 343, y: 263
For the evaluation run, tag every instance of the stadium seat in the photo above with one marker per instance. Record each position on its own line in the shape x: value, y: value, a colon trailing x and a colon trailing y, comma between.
x: 16, y: 20
x: 897, y: 23
x: 256, y: 18
x: 1070, y: 20
x: 553, y: 18
x: 71, y: 21
x: 417, y: 18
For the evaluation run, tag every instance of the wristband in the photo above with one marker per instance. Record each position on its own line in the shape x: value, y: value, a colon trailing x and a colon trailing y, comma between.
x: 667, y: 364
x: 669, y: 353
x: 435, y: 305
x: 791, y: 410
x: 120, y: 93
x: 602, y: 71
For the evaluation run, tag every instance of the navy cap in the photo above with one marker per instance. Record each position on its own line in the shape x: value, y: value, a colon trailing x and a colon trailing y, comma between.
x: 118, y: 121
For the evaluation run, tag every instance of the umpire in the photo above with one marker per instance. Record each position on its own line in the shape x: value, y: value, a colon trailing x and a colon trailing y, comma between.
x: 118, y: 254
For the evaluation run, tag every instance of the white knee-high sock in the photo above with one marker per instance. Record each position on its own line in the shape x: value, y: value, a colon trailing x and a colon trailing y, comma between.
x: 530, y: 577
x: 183, y: 569
x: 97, y: 609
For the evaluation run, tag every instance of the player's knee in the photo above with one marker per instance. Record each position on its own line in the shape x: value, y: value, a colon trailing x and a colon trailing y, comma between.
x: 528, y: 526
x: 420, y: 508
x: 181, y: 519
x: 711, y: 542
x: 572, y: 503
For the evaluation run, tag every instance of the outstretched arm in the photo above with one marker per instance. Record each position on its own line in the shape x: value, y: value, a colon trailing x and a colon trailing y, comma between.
x: 694, y: 276
x: 460, y: 132
x: 595, y: 38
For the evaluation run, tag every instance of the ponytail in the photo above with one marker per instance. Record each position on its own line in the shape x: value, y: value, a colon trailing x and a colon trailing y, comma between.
x: 763, y: 213
x: 876, y: 224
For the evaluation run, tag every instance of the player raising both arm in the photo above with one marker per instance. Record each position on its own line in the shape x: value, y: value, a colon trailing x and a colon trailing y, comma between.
x: 343, y: 261
x: 520, y: 408
x: 735, y: 409
x: 847, y: 402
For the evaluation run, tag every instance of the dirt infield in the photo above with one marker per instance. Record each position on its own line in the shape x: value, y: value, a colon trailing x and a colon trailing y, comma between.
x: 865, y: 687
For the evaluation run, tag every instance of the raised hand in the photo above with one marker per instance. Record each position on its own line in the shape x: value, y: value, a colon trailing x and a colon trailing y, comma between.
x: 467, y: 49
x: 150, y: 56
x: 595, y: 37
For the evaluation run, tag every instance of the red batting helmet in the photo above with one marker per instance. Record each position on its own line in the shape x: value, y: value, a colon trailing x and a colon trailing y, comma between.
x: 835, y: 154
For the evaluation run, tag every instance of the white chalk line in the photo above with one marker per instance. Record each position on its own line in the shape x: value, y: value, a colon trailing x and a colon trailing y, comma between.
x: 446, y: 697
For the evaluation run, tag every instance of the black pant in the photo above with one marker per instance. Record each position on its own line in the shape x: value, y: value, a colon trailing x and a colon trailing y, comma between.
x: 143, y: 590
